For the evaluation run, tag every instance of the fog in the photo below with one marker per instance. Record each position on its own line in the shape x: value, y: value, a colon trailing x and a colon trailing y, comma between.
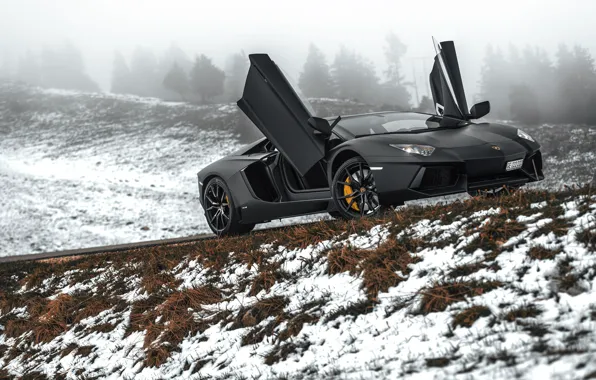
x: 285, y: 29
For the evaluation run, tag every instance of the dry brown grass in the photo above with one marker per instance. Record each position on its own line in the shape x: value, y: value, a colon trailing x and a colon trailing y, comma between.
x: 156, y: 356
x: 265, y: 280
x: 344, y: 259
x: 559, y: 227
x: 466, y: 269
x: 378, y: 266
x: 166, y: 321
x: 295, y: 325
x: 499, y: 229
x: 17, y: 327
x: 438, y: 297
x: 540, y: 252
x: 527, y: 311
x: 170, y: 314
x: 467, y: 317
x: 588, y: 238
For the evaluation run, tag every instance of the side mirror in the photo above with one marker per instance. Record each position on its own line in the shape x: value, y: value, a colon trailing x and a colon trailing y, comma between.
x: 479, y: 110
x: 320, y: 124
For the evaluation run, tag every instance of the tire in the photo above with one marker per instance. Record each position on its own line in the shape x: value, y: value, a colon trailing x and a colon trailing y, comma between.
x: 350, y: 203
x: 335, y: 214
x: 220, y: 211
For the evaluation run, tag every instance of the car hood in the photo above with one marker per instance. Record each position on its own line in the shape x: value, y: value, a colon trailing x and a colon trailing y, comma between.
x: 469, y: 135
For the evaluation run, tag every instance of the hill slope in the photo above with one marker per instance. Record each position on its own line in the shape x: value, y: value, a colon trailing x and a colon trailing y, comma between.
x: 480, y: 287
x: 85, y: 169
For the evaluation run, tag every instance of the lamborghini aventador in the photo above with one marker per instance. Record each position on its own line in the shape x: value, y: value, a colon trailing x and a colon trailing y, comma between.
x: 355, y: 166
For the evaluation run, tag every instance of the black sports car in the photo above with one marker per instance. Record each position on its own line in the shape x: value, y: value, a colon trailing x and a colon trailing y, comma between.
x: 354, y: 166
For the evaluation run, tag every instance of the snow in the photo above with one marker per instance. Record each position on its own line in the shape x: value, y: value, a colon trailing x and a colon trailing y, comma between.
x: 394, y: 339
x: 82, y: 175
x: 92, y: 169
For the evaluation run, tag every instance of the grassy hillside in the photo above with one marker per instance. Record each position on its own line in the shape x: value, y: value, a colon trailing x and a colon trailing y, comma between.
x: 480, y: 287
x: 86, y: 169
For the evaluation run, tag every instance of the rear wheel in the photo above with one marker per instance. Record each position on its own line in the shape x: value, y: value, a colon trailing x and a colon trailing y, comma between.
x: 220, y: 211
x: 354, y: 190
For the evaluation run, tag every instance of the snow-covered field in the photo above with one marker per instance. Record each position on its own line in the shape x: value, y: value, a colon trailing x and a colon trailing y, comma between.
x: 80, y: 170
x: 477, y: 289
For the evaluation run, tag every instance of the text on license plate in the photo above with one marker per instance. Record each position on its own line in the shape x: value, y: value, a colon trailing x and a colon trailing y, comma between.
x: 514, y: 165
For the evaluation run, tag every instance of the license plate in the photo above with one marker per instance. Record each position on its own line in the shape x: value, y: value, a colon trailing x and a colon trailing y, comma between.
x: 514, y: 165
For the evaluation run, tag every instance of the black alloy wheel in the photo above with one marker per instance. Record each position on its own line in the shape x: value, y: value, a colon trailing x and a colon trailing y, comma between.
x: 219, y: 210
x: 354, y: 190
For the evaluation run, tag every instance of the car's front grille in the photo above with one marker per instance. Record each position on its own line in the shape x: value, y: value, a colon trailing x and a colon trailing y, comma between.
x: 438, y: 176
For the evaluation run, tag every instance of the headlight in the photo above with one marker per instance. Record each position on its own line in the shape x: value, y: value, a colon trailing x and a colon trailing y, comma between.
x: 423, y: 150
x: 524, y: 135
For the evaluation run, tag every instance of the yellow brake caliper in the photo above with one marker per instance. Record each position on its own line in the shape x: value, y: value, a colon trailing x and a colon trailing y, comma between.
x: 347, y: 191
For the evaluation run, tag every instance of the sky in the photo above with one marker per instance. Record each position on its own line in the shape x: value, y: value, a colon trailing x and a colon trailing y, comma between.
x: 285, y: 28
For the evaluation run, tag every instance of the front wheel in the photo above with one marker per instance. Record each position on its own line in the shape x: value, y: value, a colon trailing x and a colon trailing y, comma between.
x: 354, y: 190
x: 220, y: 211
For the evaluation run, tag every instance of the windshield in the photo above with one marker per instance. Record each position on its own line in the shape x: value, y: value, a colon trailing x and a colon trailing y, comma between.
x: 390, y: 122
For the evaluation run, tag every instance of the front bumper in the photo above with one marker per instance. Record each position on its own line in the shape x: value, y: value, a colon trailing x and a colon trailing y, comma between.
x: 398, y: 182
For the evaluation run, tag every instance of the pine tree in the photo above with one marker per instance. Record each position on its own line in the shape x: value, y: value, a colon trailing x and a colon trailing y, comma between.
x: 426, y: 105
x: 315, y: 80
x: 172, y: 55
x: 354, y: 77
x: 237, y: 69
x: 206, y: 79
x: 395, y: 50
x: 494, y: 82
x: 176, y: 80
x: 63, y: 67
x: 120, y: 75
x: 576, y: 79
x: 393, y: 92
x: 144, y: 76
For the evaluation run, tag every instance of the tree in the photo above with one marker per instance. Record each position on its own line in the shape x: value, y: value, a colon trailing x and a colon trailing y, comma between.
x: 354, y: 77
x: 144, y: 78
x: 494, y: 82
x: 5, y: 66
x: 315, y: 80
x: 176, y: 80
x: 524, y: 105
x: 395, y: 50
x: 426, y: 105
x: 63, y: 67
x: 206, y: 79
x: 174, y: 55
x: 236, y: 71
x: 393, y: 91
x: 577, y: 84
x: 121, y: 80
x: 28, y: 70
